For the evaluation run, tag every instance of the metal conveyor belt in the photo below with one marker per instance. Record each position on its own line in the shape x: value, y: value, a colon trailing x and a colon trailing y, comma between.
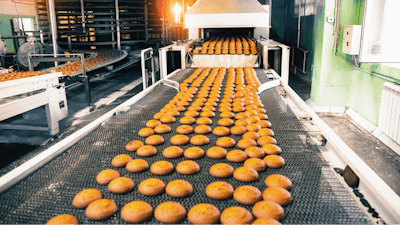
x: 319, y: 196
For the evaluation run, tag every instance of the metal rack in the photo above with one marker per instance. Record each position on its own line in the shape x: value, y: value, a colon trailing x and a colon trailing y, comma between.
x: 102, y: 22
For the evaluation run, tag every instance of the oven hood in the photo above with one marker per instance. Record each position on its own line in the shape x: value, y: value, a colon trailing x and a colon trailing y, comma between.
x: 227, y: 14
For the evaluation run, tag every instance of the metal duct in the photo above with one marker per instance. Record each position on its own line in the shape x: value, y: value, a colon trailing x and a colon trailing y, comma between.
x: 226, y: 13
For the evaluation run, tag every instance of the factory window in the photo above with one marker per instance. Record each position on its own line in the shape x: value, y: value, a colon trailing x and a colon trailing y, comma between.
x: 23, y: 24
x: 380, y: 43
x: 306, y: 7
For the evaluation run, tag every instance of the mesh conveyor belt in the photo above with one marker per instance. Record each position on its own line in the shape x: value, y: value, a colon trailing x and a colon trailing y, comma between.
x: 318, y: 195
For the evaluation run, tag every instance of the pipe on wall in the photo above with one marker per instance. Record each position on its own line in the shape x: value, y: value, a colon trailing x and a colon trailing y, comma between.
x: 53, y: 26
x: 117, y: 23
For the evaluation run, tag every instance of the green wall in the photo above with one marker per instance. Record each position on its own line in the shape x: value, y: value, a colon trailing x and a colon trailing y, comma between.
x: 334, y: 82
x: 5, y: 29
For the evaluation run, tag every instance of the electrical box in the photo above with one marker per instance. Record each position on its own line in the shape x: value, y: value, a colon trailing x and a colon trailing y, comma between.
x: 351, y: 39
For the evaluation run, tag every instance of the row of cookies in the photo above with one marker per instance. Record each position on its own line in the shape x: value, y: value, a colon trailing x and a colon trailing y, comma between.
x: 228, y: 45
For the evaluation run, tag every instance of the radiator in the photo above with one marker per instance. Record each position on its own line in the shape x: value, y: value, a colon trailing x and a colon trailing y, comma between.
x: 389, y: 119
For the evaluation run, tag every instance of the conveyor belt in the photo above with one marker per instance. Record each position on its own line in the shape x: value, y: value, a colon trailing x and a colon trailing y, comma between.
x: 318, y: 194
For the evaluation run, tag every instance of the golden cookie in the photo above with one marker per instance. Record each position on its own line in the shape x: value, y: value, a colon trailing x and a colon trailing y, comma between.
x: 105, y: 176
x: 121, y: 185
x: 203, y: 213
x: 133, y: 145
x: 153, y: 123
x: 145, y: 132
x: 238, y: 130
x: 247, y: 195
x: 216, y: 152
x: 278, y: 195
x: 204, y: 121
x: 187, y: 167
x: 236, y: 156
x: 246, y: 143
x: 151, y: 187
x: 271, y: 149
x: 266, y: 140
x: 266, y: 221
x: 187, y: 120
x: 136, y: 212
x: 121, y: 160
x: 253, y: 127
x: 221, y: 131
x: 236, y: 215
x: 245, y: 174
x: 221, y: 170
x: 162, y: 168
x: 146, y: 151
x: 207, y: 114
x: 274, y: 161
x: 202, y: 129
x: 137, y: 165
x: 266, y: 132
x: 264, y: 123
x: 191, y: 113
x: 179, y: 189
x: 227, y: 114
x: 85, y: 197
x: 251, y: 135
x: 184, y: 129
x: 225, y: 122
x: 199, y: 140
x: 278, y: 180
x: 256, y: 164
x: 226, y: 142
x: 268, y: 209
x: 154, y: 140
x: 254, y: 152
x: 101, y: 209
x: 219, y: 190
x: 170, y: 212
x: 162, y: 129
x: 179, y: 139
x: 193, y: 153
x: 63, y: 219
x: 173, y: 152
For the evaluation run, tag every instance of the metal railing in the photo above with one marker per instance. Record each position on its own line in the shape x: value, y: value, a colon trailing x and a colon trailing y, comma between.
x: 143, y: 62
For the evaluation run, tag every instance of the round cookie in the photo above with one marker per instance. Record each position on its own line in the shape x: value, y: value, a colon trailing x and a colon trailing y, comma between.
x: 101, y: 209
x: 221, y: 170
x: 179, y: 139
x: 227, y: 114
x: 173, y: 152
x: 266, y: 221
x: 245, y: 174
x: 202, y: 129
x: 204, y: 121
x: 216, y: 152
x: 158, y: 115
x: 154, y: 140
x: 179, y: 189
x: 83, y: 198
x: 226, y: 142
x: 256, y: 164
x: 278, y: 180
x: 203, y: 213
x: 136, y: 212
x: 246, y: 143
x: 193, y: 153
x: 121, y: 160
x: 137, y: 165
x: 247, y: 195
x: 187, y: 120
x: 187, y: 167
x: 133, y: 145
x: 162, y: 129
x: 253, y: 120
x: 199, y: 140
x: 274, y: 161
x: 151, y: 187
x: 63, y: 219
x: 254, y: 152
x: 207, y: 114
x: 241, y: 116
x: 105, y: 176
x: 271, y: 149
x: 278, y: 195
x: 145, y: 132
x: 251, y: 135
x: 264, y: 123
x: 221, y: 131
x: 172, y: 113
x: 238, y: 130
x: 261, y: 116
x: 236, y: 215
x: 184, y: 129
x: 170, y: 212
x: 260, y: 110
x: 243, y: 122
x: 162, y: 168
x: 192, y: 113
x: 253, y: 127
x: 225, y: 122
x: 266, y: 132
x: 152, y: 123
x: 266, y: 140
x: 167, y: 119
x: 268, y: 209
x: 236, y: 156
x: 146, y: 151
x: 219, y: 190
x: 121, y: 185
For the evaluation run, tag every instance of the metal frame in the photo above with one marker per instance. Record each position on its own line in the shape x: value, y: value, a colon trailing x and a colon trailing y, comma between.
x: 303, y: 70
x: 143, y: 63
x: 183, y: 48
x: 273, y: 45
